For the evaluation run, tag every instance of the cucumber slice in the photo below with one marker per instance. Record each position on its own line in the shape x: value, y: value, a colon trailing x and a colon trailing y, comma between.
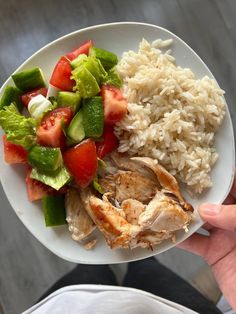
x: 107, y: 58
x: 70, y: 142
x: 54, y: 210
x: 85, y: 82
x: 75, y: 130
x: 93, y: 117
x: 45, y: 159
x: 11, y: 94
x: 56, y: 180
x: 29, y: 79
x: 69, y: 99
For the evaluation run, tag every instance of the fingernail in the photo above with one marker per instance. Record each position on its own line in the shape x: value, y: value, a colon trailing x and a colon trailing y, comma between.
x: 210, y: 209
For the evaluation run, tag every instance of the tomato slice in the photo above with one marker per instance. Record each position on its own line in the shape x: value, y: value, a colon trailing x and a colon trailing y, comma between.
x: 82, y: 163
x: 109, y: 142
x: 36, y: 190
x: 84, y: 48
x: 50, y: 132
x: 14, y: 154
x: 61, y: 75
x: 62, y: 72
x: 25, y: 98
x: 115, y: 105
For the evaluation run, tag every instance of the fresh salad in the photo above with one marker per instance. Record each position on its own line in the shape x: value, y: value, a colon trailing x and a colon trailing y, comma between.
x: 62, y: 139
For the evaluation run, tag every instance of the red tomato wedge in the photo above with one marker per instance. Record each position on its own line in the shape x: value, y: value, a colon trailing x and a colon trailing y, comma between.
x: 84, y: 48
x: 81, y: 162
x: 114, y: 103
x: 25, y: 98
x: 14, y: 154
x: 61, y: 75
x: 109, y: 142
x: 50, y: 132
x: 36, y: 190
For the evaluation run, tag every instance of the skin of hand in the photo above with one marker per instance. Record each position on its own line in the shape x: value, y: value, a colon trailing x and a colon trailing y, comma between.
x: 219, y: 248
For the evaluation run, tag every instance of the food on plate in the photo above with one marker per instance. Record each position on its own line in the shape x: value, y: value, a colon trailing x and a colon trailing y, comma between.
x: 25, y: 98
x: 104, y: 143
x: 108, y: 143
x: 11, y: 94
x: 72, y: 100
x: 28, y: 80
x: 80, y: 224
x: 173, y: 115
x: 141, y: 204
x: 14, y: 154
x: 81, y: 160
x: 50, y: 131
x: 115, y: 105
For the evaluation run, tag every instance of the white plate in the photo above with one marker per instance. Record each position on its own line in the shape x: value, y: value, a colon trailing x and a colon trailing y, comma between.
x: 117, y: 37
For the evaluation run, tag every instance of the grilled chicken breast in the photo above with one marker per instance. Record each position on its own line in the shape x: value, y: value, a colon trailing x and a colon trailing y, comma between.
x: 142, y: 204
x: 129, y: 184
x: 80, y: 224
x: 117, y: 231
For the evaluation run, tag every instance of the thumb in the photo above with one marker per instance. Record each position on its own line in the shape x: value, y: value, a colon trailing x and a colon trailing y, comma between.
x: 221, y: 216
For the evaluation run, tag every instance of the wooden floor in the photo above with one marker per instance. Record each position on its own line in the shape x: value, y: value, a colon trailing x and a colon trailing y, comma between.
x: 208, y: 26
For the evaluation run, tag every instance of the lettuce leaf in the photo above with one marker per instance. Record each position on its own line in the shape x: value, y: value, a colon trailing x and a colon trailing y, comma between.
x: 113, y: 78
x: 56, y: 180
x: 86, y: 83
x: 19, y: 129
x: 53, y: 106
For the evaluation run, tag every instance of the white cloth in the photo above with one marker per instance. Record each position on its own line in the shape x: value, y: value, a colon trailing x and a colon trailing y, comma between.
x: 99, y: 299
x: 224, y: 306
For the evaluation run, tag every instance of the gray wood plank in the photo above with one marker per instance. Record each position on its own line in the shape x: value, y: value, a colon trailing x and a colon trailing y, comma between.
x: 208, y: 26
x: 27, y: 268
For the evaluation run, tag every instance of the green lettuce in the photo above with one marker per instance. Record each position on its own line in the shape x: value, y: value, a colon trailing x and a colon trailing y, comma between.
x: 53, y: 106
x: 56, y: 180
x: 19, y: 129
x: 113, y: 78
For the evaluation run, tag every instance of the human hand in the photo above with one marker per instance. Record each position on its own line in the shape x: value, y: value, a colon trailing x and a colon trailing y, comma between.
x: 219, y: 248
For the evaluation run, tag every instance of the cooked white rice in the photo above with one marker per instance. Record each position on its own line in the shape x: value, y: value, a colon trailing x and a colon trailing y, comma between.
x: 172, y: 116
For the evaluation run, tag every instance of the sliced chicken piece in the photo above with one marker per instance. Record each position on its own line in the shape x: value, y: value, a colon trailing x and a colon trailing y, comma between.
x: 128, y: 184
x: 142, y: 204
x: 143, y: 226
x: 132, y: 209
x: 124, y: 162
x: 108, y: 184
x: 116, y: 205
x: 163, y: 214
x: 108, y: 168
x: 134, y: 185
x: 80, y: 224
x: 167, y: 181
x: 148, y: 239
x: 116, y: 230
